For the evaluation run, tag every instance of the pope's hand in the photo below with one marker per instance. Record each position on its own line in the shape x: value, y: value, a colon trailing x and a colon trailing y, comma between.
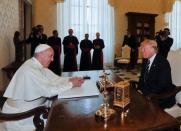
x: 76, y: 81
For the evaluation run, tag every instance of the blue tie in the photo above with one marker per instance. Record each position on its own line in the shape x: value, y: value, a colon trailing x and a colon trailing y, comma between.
x: 146, y: 71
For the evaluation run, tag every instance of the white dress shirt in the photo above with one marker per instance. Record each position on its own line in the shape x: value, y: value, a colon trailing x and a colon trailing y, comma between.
x: 151, y: 60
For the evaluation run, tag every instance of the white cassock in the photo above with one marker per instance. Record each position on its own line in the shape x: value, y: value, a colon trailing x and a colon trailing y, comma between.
x: 29, y: 88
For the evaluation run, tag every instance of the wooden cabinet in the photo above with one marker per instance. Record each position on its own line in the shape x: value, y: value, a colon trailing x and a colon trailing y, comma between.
x: 141, y: 25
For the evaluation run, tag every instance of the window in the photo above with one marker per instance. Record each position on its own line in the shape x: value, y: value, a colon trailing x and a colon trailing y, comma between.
x: 88, y: 16
x: 173, y: 19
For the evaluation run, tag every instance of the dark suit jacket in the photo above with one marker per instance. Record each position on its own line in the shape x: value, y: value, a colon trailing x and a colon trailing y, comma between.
x: 130, y: 41
x: 158, y: 80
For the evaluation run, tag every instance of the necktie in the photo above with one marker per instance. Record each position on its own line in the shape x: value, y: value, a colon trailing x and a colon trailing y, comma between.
x: 146, y: 71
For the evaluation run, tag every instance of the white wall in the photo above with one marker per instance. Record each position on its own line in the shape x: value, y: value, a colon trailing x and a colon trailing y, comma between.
x: 9, y: 23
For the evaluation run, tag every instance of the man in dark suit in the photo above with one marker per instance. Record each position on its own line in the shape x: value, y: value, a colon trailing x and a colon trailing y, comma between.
x: 132, y: 42
x: 42, y: 36
x: 155, y: 74
x: 33, y: 39
x: 164, y: 42
x: 36, y: 37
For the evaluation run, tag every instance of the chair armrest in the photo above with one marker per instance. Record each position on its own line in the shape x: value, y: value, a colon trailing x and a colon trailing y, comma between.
x: 179, y: 119
x: 161, y: 96
x: 53, y: 98
x: 36, y: 112
x: 165, y: 94
x: 134, y: 84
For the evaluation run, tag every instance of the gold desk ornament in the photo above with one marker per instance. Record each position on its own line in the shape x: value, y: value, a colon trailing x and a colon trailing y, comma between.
x: 104, y: 112
x: 121, y: 94
x: 104, y: 80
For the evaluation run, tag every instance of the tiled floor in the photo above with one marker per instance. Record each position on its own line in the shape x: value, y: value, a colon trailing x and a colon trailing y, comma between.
x: 128, y: 74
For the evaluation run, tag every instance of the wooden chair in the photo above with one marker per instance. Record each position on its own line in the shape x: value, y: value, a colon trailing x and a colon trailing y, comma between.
x: 156, y: 97
x: 36, y: 112
x: 179, y: 118
x: 2, y: 99
x: 125, y: 56
x: 41, y: 111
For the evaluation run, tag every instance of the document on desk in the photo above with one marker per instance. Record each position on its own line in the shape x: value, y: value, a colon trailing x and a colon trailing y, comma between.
x: 88, y: 88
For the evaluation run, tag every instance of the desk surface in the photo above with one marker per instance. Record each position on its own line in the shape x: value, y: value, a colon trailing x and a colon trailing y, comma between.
x: 78, y: 114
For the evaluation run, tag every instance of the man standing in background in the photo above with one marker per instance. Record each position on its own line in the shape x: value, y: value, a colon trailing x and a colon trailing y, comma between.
x: 164, y: 42
x: 97, y: 60
x: 70, y: 44
x: 132, y: 42
x: 36, y: 37
x: 33, y: 39
x: 42, y: 36
x: 55, y: 42
x: 85, y: 60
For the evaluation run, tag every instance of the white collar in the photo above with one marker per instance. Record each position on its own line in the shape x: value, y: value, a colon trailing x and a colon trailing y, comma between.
x: 37, y: 62
x: 151, y: 60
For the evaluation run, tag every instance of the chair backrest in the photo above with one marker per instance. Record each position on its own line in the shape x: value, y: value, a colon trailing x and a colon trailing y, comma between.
x: 175, y: 63
x: 36, y: 112
x: 139, y: 53
x: 125, y: 52
x: 160, y: 96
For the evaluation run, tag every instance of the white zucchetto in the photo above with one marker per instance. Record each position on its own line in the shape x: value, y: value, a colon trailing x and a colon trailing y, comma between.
x: 41, y: 47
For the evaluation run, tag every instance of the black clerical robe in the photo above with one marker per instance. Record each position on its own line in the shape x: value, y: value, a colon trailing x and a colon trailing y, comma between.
x: 55, y: 65
x: 85, y: 60
x: 97, y: 60
x: 70, y: 44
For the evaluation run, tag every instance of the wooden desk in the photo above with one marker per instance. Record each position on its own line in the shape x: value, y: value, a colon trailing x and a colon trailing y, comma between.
x: 78, y: 114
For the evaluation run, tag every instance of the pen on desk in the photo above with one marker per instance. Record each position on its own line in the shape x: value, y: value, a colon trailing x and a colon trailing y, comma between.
x: 86, y: 77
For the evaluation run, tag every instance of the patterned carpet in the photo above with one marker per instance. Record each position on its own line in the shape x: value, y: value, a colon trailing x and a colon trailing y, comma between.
x: 128, y: 74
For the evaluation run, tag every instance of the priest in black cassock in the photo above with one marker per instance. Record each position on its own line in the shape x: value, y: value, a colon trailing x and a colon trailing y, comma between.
x: 85, y: 60
x: 97, y: 60
x: 55, y: 42
x: 70, y: 44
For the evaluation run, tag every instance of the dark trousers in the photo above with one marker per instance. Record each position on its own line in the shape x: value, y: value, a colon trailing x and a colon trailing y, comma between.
x: 133, y: 57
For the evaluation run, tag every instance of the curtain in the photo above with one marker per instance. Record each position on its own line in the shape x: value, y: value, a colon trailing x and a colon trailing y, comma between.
x: 88, y: 16
x: 173, y: 20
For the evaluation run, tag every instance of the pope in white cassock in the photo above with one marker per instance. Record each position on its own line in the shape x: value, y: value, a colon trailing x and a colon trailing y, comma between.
x: 31, y: 85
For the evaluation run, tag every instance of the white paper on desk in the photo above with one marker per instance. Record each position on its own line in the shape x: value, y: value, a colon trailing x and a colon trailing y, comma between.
x: 88, y: 88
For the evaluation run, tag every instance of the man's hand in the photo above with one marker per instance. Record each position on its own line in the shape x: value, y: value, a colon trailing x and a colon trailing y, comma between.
x: 76, y: 81
x: 97, y: 46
